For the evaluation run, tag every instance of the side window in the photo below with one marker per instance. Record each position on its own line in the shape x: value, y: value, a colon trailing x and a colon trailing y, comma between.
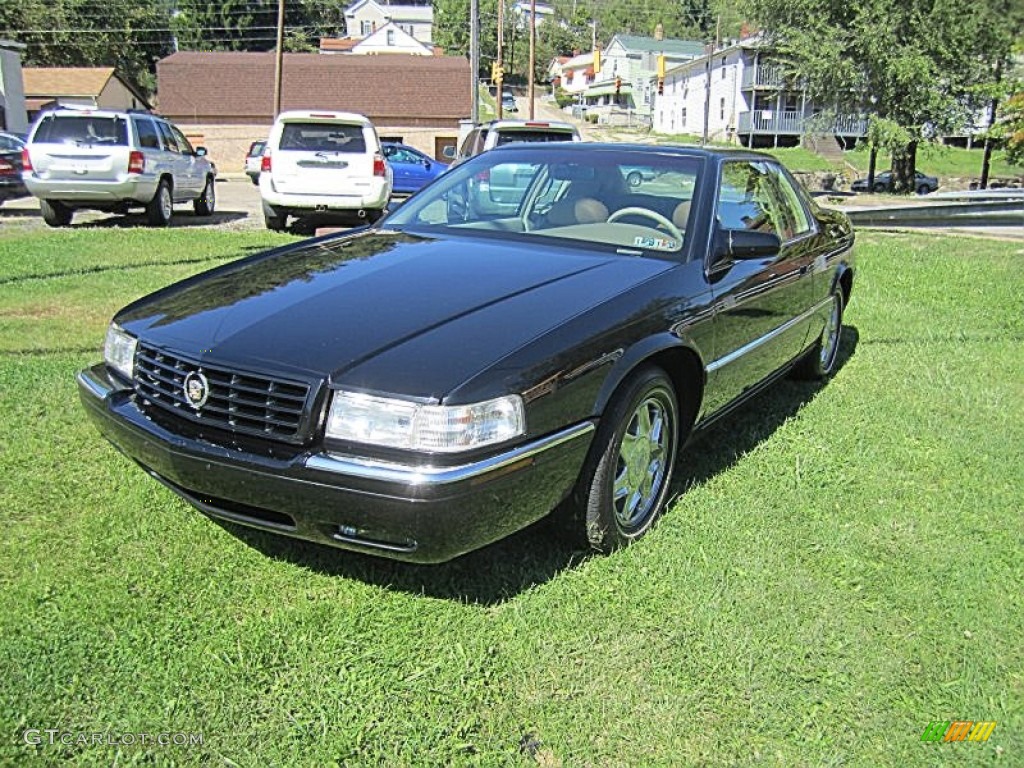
x: 467, y: 144
x: 746, y: 199
x: 183, y: 146
x: 170, y: 143
x: 146, y: 131
x: 791, y: 208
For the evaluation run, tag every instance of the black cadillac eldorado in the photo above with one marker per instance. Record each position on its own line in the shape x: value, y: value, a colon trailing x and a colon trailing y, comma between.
x: 425, y: 386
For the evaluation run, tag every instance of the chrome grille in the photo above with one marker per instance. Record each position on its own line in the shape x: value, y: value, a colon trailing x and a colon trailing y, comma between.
x: 238, y: 402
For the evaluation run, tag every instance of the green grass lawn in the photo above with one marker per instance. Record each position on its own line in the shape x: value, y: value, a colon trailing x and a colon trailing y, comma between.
x: 941, y: 161
x: 841, y: 566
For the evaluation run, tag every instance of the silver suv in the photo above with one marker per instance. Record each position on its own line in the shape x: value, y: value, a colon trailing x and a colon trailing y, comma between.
x: 114, y: 161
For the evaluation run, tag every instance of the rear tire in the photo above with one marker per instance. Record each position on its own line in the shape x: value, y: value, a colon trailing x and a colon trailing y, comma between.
x: 625, y: 481
x: 274, y: 219
x: 879, y: 187
x: 923, y: 189
x: 820, y: 362
x: 55, y: 214
x: 204, y: 204
x: 160, y: 209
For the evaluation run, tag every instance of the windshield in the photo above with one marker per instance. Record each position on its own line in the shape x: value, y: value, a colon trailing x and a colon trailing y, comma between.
x: 633, y: 202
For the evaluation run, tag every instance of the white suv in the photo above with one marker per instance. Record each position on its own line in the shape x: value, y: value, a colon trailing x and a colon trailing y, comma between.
x: 500, y: 132
x: 112, y: 160
x: 323, y: 162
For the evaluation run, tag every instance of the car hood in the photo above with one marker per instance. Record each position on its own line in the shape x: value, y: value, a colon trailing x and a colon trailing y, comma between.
x: 384, y: 311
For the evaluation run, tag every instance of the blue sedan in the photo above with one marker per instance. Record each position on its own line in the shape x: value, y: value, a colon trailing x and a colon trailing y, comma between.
x: 412, y: 169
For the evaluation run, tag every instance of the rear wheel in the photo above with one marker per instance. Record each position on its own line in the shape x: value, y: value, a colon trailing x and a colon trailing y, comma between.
x: 55, y: 214
x: 626, y: 479
x: 160, y: 209
x: 879, y: 187
x: 923, y: 189
x: 820, y: 362
x: 274, y: 218
x: 206, y: 202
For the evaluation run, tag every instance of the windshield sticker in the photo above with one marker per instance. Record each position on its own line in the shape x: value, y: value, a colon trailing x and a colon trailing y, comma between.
x: 657, y: 243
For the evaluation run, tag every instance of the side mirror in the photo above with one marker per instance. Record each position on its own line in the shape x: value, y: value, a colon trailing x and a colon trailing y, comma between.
x: 200, y: 151
x: 741, y: 244
x: 426, y: 164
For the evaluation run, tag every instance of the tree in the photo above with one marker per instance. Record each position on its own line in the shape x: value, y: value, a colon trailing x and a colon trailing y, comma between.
x: 1011, y: 129
x: 130, y: 35
x: 910, y: 64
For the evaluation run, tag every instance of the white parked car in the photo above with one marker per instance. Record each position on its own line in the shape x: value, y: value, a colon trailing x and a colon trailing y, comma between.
x: 497, y: 133
x: 112, y: 160
x: 324, y: 163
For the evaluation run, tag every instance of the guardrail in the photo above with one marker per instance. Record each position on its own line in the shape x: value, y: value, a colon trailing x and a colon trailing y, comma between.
x: 980, y: 213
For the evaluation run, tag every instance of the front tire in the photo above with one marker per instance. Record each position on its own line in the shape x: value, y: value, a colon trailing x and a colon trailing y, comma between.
x: 55, y: 214
x: 633, y: 178
x: 820, y: 362
x: 923, y: 189
x: 204, y: 204
x: 160, y: 209
x: 626, y: 479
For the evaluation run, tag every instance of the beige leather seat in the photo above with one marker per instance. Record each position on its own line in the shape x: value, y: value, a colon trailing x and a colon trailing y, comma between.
x: 581, y: 210
x: 681, y: 215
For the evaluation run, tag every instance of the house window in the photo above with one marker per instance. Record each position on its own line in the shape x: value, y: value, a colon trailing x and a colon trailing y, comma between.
x: 721, y: 111
x: 724, y: 60
x: 367, y: 28
x: 682, y: 118
x: 391, y: 37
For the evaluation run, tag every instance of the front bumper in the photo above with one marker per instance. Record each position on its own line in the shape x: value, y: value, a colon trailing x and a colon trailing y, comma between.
x: 414, y: 513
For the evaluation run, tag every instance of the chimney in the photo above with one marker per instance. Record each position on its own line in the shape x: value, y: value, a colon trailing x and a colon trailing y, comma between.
x: 659, y: 32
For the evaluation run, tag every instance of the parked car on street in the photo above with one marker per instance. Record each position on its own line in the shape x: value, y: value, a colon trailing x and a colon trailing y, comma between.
x: 253, y: 160
x: 411, y: 168
x: 11, y: 184
x: 497, y: 133
x: 109, y: 160
x: 322, y: 162
x: 425, y: 386
x: 883, y: 183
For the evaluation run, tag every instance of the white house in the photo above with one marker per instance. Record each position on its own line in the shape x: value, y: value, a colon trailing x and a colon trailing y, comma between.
x: 628, y: 63
x: 13, y: 116
x: 573, y: 75
x: 521, y: 10
x: 389, y: 38
x: 746, y: 99
x: 364, y: 17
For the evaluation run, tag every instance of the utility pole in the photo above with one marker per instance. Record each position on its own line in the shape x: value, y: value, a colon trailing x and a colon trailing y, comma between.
x: 707, y: 85
x: 474, y: 59
x: 533, y: 50
x: 279, y: 58
x: 501, y: 71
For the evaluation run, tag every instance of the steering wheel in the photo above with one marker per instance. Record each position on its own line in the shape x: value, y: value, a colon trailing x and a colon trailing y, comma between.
x: 648, y: 214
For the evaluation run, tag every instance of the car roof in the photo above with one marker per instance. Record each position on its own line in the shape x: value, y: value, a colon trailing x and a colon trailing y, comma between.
x: 555, y: 124
x: 323, y: 114
x: 691, y: 150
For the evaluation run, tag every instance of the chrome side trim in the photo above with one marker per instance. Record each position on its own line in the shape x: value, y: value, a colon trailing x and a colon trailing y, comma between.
x: 736, y: 354
x: 429, y: 476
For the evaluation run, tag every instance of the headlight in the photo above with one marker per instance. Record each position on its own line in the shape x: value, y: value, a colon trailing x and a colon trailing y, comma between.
x: 401, y: 424
x: 119, y: 351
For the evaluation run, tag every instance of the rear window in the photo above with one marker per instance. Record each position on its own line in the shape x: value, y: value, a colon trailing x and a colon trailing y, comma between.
x: 507, y: 137
x: 82, y: 130
x: 323, y: 137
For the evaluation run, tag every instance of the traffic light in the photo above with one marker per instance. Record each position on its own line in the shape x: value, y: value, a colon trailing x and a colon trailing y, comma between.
x: 618, y: 85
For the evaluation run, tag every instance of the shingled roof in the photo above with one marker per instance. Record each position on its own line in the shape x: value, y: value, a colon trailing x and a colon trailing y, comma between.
x: 229, y: 87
